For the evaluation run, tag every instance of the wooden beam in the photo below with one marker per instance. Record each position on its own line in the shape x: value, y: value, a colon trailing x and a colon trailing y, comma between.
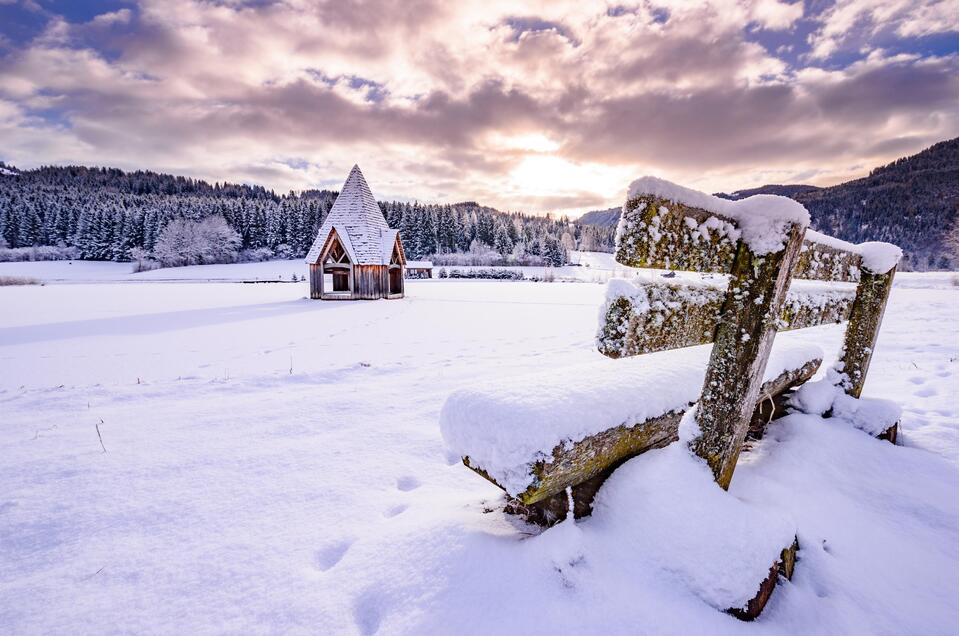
x: 818, y: 261
x: 661, y: 234
x: 872, y: 294
x: 741, y: 347
x: 660, y: 316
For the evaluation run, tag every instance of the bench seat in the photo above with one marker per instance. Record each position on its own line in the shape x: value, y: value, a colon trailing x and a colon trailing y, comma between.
x: 535, y: 435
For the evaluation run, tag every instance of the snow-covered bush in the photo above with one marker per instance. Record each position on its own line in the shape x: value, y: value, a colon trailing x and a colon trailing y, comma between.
x: 258, y: 255
x: 38, y: 253
x: 487, y: 273
x: 142, y: 260
x: 184, y: 242
x: 8, y: 281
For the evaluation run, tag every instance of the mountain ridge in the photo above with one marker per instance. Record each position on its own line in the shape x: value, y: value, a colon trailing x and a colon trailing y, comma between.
x: 912, y: 202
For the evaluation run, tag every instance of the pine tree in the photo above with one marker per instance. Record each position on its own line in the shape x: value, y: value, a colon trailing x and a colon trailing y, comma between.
x: 502, y: 243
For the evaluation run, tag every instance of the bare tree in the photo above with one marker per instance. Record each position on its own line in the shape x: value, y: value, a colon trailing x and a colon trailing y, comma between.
x: 183, y: 242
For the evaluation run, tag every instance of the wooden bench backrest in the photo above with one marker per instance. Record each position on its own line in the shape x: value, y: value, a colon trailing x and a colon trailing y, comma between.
x: 740, y: 319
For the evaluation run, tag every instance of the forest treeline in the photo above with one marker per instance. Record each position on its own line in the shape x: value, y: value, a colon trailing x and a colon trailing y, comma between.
x: 109, y: 214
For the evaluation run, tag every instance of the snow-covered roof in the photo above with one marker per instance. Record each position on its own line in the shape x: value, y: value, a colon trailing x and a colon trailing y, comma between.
x: 387, y: 241
x: 359, y: 223
x: 419, y: 264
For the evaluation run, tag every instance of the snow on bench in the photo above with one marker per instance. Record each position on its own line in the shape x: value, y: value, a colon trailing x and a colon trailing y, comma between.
x: 538, y: 437
x: 535, y: 435
x: 665, y: 226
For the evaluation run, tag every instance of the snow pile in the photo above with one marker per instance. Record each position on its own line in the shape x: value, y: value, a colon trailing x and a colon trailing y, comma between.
x: 507, y: 425
x: 664, y: 509
x: 763, y: 219
x: 826, y: 397
x: 879, y: 257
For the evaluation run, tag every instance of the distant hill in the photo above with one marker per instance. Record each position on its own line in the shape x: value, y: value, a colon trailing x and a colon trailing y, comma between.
x: 602, y: 218
x: 791, y: 191
x: 911, y: 202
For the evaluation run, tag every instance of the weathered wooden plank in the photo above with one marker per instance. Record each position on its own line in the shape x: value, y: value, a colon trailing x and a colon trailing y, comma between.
x: 585, y: 464
x: 315, y: 277
x: 784, y: 566
x: 741, y: 347
x: 818, y: 261
x: 872, y: 294
x: 663, y: 234
x: 659, y: 316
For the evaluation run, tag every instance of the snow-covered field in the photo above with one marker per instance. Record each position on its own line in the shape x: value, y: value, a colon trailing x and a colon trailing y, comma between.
x: 590, y: 267
x: 275, y: 465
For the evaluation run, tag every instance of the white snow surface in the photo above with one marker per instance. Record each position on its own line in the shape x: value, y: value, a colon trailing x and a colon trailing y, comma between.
x: 591, y: 267
x: 665, y: 509
x: 274, y: 465
x: 826, y: 396
x: 763, y: 219
x: 508, y: 424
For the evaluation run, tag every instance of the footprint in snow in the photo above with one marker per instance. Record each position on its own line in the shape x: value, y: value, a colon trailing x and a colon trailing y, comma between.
x: 368, y: 613
x: 392, y: 511
x: 917, y: 380
x: 328, y: 556
x: 407, y: 483
x: 925, y: 392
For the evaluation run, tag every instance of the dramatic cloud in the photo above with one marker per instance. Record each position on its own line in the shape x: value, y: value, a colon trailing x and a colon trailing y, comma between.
x: 555, y: 107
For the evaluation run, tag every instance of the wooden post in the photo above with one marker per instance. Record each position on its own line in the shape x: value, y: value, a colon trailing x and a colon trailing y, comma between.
x: 872, y: 294
x: 741, y: 347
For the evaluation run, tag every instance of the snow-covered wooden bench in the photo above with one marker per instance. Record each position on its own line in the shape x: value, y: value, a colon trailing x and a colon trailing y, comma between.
x: 549, y: 441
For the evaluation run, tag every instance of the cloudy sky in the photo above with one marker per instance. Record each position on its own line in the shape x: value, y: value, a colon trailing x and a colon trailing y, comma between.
x: 538, y: 106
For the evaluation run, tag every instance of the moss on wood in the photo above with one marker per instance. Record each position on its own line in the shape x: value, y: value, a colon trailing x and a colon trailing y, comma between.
x: 662, y: 234
x: 671, y: 316
x: 658, y: 233
x: 741, y: 347
x: 584, y: 465
x: 872, y: 294
x: 668, y: 316
x: 822, y: 262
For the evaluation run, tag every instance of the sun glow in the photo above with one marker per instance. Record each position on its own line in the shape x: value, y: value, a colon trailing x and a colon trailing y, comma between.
x: 549, y: 175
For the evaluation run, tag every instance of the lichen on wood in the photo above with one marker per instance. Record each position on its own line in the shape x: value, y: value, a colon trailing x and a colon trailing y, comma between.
x: 584, y: 465
x: 663, y: 234
x: 658, y: 233
x: 868, y: 308
x: 741, y: 347
x: 824, y: 262
x: 663, y: 316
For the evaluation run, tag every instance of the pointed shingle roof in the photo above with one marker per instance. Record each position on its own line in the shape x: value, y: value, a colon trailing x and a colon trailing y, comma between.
x: 359, y: 220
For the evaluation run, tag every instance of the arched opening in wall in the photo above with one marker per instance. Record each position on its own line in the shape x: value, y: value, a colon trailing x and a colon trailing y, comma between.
x: 337, y: 271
